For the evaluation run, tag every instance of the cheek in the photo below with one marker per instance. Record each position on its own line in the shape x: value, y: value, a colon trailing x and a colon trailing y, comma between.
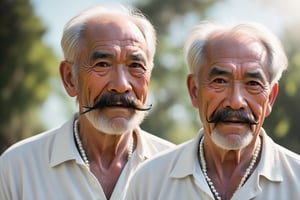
x: 90, y: 87
x: 260, y: 110
x: 141, y: 87
x: 258, y: 105
x: 208, y: 102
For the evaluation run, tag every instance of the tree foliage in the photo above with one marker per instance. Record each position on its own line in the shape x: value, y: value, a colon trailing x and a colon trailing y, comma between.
x: 26, y: 65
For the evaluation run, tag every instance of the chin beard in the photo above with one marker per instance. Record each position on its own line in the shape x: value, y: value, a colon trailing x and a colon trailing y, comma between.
x: 223, y: 142
x: 105, y: 125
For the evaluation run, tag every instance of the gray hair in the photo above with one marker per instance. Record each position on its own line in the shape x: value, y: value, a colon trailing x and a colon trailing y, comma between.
x: 194, y: 48
x: 74, y: 29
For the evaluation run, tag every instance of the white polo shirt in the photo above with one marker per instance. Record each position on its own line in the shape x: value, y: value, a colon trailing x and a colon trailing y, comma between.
x: 48, y: 166
x: 176, y: 175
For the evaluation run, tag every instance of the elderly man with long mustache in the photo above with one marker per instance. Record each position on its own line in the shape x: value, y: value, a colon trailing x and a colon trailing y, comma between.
x: 108, y: 62
x: 233, y: 83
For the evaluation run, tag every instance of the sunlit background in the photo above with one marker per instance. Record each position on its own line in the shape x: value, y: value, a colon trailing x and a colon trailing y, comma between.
x: 172, y: 116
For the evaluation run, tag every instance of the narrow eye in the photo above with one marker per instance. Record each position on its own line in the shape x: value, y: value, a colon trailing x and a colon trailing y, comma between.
x: 218, y: 84
x: 102, y: 64
x: 101, y: 67
x: 255, y: 87
x: 219, y: 80
x: 137, y: 69
x: 136, y: 65
x: 253, y: 83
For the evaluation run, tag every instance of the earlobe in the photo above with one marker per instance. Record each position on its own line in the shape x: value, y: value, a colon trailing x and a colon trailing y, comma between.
x: 192, y: 89
x: 68, y: 78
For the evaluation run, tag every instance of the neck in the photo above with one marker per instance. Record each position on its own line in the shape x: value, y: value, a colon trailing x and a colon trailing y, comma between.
x: 225, y: 162
x: 101, y: 148
x: 106, y: 156
x: 225, y: 178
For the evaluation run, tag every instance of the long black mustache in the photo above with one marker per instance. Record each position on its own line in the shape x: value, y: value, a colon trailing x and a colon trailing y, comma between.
x: 226, y: 114
x: 110, y: 99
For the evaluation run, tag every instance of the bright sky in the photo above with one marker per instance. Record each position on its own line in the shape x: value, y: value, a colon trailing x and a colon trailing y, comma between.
x: 55, y: 13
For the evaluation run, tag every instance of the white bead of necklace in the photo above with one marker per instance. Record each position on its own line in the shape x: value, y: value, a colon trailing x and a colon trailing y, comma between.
x: 81, y: 149
x: 244, y: 178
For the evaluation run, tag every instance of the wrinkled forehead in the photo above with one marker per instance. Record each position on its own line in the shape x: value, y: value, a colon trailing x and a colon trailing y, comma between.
x: 239, y: 47
x: 112, y: 35
x: 110, y: 27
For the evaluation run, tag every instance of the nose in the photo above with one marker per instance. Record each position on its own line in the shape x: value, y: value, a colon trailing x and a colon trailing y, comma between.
x: 119, y: 80
x: 235, y: 97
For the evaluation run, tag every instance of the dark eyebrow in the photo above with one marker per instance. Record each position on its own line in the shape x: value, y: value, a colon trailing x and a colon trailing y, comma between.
x: 216, y: 71
x: 256, y: 75
x: 98, y: 55
x: 137, y: 57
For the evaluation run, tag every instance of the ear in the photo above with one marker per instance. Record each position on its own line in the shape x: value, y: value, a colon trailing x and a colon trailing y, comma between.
x: 272, y: 97
x: 68, y: 78
x: 193, y: 89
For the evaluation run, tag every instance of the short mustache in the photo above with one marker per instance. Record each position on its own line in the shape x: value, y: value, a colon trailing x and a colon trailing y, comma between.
x: 226, y: 114
x: 109, y: 100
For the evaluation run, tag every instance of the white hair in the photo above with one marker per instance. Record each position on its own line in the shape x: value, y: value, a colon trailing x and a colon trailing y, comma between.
x: 194, y: 48
x: 74, y: 29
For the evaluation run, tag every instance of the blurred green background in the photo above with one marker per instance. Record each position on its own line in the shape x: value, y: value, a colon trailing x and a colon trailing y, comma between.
x: 32, y: 99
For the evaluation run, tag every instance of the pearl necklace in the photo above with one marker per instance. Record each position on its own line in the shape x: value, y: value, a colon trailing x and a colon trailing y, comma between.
x: 247, y: 173
x: 81, y: 149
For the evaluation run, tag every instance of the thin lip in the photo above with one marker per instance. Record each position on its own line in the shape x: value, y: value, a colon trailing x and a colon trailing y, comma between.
x: 118, y: 106
x: 233, y: 121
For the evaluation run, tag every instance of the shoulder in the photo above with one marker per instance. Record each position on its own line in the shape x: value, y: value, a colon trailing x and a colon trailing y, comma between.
x: 22, y: 159
x: 281, y: 152
x: 288, y: 155
x: 279, y: 160
x: 27, y: 147
x: 37, y: 143
x: 152, y: 141
x: 159, y: 172
x: 155, y: 138
x: 28, y: 143
x: 162, y: 163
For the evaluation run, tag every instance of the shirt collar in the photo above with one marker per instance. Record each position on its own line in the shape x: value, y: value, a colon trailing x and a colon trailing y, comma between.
x: 64, y: 148
x: 143, y: 149
x: 187, y: 158
x: 268, y: 165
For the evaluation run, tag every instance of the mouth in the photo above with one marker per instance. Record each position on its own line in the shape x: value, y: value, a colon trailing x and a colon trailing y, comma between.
x: 233, y: 120
x: 119, y: 105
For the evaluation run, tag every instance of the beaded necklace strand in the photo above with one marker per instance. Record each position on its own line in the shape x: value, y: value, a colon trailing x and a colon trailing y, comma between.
x: 244, y: 178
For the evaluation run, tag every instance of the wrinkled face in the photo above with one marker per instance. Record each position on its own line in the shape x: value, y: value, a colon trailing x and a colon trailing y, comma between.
x: 233, y: 94
x: 113, y: 60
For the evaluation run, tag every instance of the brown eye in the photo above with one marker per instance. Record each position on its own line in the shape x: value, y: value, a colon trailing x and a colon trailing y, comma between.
x: 254, y: 87
x: 253, y: 83
x: 101, y: 67
x: 136, y: 65
x: 219, y: 80
x: 102, y: 64
x: 137, y: 69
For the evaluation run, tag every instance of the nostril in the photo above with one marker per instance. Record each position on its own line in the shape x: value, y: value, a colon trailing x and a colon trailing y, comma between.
x: 119, y: 85
x: 119, y: 90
